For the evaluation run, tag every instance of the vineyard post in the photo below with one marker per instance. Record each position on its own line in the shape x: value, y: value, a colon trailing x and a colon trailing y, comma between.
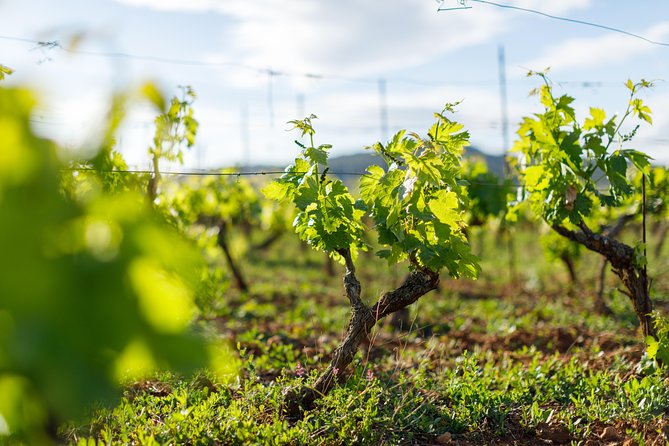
x: 504, y: 108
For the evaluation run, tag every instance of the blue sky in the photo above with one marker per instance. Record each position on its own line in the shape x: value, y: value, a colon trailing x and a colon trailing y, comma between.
x: 426, y: 57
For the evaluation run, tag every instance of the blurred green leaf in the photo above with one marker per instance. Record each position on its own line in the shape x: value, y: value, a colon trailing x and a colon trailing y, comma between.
x: 5, y: 71
x: 94, y: 283
x: 151, y: 92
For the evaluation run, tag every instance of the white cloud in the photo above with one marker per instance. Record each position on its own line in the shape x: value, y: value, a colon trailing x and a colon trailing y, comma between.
x: 552, y: 7
x: 175, y: 5
x: 240, y: 6
x: 347, y: 36
x: 595, y: 52
x: 352, y: 37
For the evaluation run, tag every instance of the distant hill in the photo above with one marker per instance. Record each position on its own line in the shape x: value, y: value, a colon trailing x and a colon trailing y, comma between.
x: 495, y: 162
x: 358, y: 162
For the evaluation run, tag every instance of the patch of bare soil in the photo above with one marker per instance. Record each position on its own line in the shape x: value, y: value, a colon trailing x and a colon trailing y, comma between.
x: 654, y: 434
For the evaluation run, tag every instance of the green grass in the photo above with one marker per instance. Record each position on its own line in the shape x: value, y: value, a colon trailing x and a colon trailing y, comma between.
x: 486, y: 361
x: 475, y: 396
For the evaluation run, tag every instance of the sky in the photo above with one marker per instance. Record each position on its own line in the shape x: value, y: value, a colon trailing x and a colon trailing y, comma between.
x: 366, y: 69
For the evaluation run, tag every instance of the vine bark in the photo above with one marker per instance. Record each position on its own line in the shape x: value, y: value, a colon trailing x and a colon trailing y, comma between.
x: 418, y: 283
x: 622, y: 259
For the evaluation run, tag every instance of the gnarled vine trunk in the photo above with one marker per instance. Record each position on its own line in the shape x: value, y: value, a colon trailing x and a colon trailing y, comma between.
x: 236, y: 273
x: 363, y: 318
x: 600, y: 304
x: 612, y: 232
x: 268, y: 241
x: 621, y: 257
x: 212, y: 221
x: 568, y: 263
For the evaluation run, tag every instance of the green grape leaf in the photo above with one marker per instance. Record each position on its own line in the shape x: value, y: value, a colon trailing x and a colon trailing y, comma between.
x: 594, y: 143
x: 572, y: 148
x: 307, y: 191
x: 415, y: 204
x: 535, y: 178
x: 370, y: 183
x: 317, y: 155
x: 641, y: 111
x: 444, y: 206
x: 277, y: 191
x: 639, y: 159
x: 596, y: 119
x: 616, y: 172
x: 559, y: 155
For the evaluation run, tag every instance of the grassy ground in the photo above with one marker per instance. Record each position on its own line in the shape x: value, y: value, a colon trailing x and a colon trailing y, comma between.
x: 496, y: 361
